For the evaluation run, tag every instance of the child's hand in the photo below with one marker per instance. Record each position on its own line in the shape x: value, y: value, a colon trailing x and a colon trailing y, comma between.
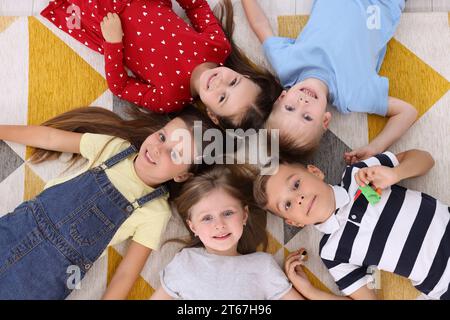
x: 112, y: 28
x: 360, y: 154
x: 380, y: 176
x: 294, y: 271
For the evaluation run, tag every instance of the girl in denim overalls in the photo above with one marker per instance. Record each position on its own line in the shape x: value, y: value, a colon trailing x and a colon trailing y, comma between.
x: 71, y: 223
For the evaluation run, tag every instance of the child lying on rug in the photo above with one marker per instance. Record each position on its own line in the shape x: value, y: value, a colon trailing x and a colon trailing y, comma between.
x: 120, y: 194
x: 218, y: 212
x: 173, y: 62
x: 406, y: 232
x: 334, y: 60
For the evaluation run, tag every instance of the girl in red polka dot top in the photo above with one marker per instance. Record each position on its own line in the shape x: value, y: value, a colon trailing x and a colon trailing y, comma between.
x: 172, y: 62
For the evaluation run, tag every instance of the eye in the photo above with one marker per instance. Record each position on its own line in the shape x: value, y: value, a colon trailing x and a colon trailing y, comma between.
x: 307, y: 117
x: 232, y: 83
x: 162, y: 137
x: 207, y: 218
x: 174, y: 155
x: 296, y: 184
x: 221, y: 98
x: 228, y: 213
x: 287, y: 205
x: 289, y: 108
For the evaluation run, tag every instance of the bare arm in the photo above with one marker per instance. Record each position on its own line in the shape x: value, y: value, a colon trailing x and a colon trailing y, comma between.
x: 42, y: 137
x: 413, y: 163
x: 161, y: 294
x: 294, y: 271
x: 257, y: 19
x: 401, y: 116
x: 364, y: 293
x: 127, y: 272
x: 292, y: 294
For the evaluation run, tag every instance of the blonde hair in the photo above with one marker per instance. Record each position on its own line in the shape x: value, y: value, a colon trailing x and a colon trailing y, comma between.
x: 237, y: 182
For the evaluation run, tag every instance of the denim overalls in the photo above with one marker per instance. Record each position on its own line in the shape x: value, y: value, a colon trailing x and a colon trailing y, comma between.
x: 49, y: 243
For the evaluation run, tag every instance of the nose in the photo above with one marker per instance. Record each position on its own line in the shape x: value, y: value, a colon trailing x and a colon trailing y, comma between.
x: 217, y: 82
x: 303, y: 99
x: 219, y: 224
x: 157, y: 150
x: 300, y: 199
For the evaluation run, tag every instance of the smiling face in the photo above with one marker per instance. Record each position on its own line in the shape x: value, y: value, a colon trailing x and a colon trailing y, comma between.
x: 218, y: 219
x: 226, y: 93
x: 301, y: 113
x: 159, y: 158
x: 299, y: 195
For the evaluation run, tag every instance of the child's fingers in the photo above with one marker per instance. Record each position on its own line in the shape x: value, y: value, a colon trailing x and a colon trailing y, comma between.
x: 358, y: 180
x: 349, y: 154
x: 361, y: 176
x: 291, y: 258
x: 296, y: 252
x: 293, y: 265
x: 110, y: 15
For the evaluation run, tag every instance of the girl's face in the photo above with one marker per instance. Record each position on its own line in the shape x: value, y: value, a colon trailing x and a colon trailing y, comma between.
x: 218, y: 219
x: 164, y: 155
x: 226, y: 93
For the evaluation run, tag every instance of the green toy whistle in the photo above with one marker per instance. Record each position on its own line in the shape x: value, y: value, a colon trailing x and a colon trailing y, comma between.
x: 371, y: 195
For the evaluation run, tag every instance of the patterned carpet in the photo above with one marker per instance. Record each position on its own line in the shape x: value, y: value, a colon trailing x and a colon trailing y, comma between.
x: 45, y: 72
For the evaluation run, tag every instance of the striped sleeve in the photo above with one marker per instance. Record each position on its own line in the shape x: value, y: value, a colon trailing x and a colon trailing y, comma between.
x: 349, y: 278
x: 387, y: 159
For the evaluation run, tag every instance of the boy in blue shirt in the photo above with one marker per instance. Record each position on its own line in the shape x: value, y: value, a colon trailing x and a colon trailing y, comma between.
x: 335, y: 60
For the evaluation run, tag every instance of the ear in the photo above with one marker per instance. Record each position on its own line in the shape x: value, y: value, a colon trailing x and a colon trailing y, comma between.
x: 191, y: 225
x: 315, y: 171
x: 294, y: 224
x: 183, y: 177
x: 212, y: 116
x: 246, y: 212
x: 283, y: 93
x: 326, y: 120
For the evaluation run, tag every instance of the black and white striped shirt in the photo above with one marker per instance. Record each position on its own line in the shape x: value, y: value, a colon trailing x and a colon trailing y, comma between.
x: 406, y: 232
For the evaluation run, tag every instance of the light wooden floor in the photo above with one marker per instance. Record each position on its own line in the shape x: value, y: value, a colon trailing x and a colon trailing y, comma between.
x: 33, y: 7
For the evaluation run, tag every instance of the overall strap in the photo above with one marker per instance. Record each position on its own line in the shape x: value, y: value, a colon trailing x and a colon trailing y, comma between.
x: 118, y: 157
x: 157, y: 193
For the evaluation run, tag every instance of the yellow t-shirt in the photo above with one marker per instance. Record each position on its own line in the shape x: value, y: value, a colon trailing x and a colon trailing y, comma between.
x: 146, y: 224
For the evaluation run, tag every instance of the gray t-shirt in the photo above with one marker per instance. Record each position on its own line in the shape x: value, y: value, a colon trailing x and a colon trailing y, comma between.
x: 195, y: 274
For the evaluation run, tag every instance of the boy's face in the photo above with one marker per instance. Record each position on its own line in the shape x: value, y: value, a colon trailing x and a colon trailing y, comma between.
x: 299, y: 195
x: 300, y: 112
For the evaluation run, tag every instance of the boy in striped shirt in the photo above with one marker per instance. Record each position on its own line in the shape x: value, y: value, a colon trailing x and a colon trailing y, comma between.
x: 406, y: 232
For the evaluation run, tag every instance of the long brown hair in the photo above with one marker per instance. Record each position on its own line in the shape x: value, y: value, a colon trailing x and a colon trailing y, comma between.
x: 270, y: 85
x: 237, y: 182
x: 135, y: 128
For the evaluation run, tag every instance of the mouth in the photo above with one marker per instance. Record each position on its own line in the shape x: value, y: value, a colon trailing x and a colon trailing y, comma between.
x: 309, y: 92
x: 149, y: 157
x: 222, y: 237
x: 310, y: 205
x: 209, y: 80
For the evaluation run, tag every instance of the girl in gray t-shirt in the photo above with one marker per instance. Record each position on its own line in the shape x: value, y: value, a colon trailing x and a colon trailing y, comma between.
x: 220, y: 262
